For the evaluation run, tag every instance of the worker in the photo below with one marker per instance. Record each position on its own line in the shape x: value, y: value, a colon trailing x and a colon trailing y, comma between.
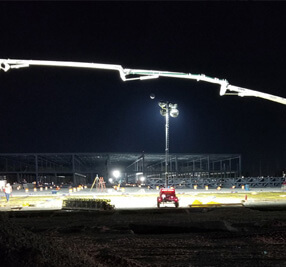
x: 8, y: 191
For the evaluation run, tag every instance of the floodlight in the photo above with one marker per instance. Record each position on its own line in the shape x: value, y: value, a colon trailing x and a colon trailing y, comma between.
x: 167, y: 109
x: 110, y: 180
x: 163, y: 112
x: 116, y: 174
x: 162, y: 104
x: 171, y: 105
x: 174, y: 112
x: 142, y: 178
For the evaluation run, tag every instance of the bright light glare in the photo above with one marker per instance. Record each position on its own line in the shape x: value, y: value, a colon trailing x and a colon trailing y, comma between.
x: 162, y: 104
x: 163, y: 112
x: 116, y: 174
x: 173, y: 106
x: 142, y: 178
x: 110, y: 180
x: 174, y: 112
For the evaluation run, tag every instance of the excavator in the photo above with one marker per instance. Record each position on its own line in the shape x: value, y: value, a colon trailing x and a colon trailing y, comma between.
x: 139, y: 74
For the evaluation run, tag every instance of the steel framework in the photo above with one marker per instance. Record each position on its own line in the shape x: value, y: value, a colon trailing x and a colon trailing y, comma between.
x: 185, y: 170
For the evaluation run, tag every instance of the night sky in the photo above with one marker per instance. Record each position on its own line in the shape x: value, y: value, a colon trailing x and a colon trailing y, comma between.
x: 48, y: 109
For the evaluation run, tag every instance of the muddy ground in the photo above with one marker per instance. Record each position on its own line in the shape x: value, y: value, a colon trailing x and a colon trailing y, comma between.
x: 154, y: 237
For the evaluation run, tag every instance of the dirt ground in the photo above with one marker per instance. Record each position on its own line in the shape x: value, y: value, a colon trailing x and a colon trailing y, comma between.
x: 158, y: 237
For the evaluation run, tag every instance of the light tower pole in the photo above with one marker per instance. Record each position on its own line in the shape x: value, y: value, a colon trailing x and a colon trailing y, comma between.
x: 167, y: 109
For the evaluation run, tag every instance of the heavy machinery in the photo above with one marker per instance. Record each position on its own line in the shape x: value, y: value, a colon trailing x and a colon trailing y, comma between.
x: 139, y: 74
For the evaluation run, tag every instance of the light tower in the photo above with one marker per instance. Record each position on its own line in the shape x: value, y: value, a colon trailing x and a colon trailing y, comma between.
x: 167, y: 109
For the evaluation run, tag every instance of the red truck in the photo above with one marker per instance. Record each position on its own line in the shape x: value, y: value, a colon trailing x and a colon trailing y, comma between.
x: 167, y: 195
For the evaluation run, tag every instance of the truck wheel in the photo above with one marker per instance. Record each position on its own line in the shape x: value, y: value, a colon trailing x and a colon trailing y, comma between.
x: 158, y: 204
x: 177, y: 204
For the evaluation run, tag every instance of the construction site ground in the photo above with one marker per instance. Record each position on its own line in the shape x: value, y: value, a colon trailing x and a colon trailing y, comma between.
x: 205, y: 235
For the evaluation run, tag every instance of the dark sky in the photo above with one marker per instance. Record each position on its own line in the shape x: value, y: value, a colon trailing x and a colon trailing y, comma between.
x: 46, y: 109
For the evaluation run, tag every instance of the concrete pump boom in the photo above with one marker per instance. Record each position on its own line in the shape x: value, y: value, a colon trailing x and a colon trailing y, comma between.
x: 138, y: 74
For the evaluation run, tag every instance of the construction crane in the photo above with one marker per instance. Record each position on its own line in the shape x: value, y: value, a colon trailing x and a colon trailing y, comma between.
x: 139, y: 74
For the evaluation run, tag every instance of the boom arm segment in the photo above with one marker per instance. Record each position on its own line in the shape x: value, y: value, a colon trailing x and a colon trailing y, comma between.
x: 138, y: 74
